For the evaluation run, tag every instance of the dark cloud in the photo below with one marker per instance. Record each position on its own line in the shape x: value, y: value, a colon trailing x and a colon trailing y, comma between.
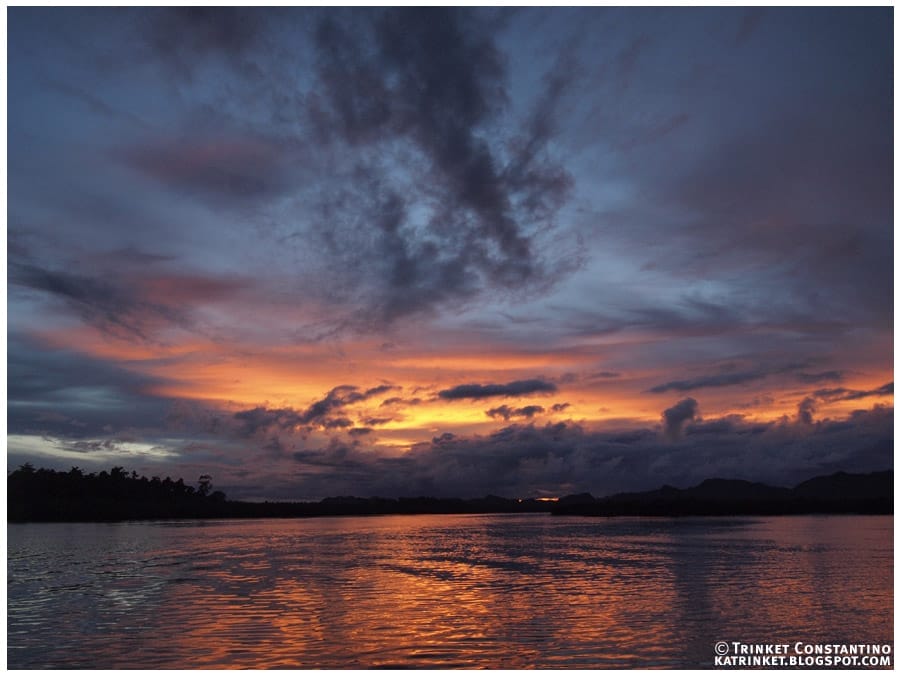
x: 321, y: 413
x: 543, y: 184
x: 61, y: 393
x: 180, y: 36
x: 399, y: 149
x: 506, y: 412
x: 524, y: 460
x: 336, y: 423
x: 92, y: 446
x: 559, y: 407
x: 224, y: 168
x: 835, y: 159
x: 731, y: 377
x: 126, y: 295
x: 275, y: 447
x: 730, y: 424
x: 806, y: 409
x: 675, y: 417
x: 632, y: 437
x: 434, y: 80
x: 568, y: 378
x: 335, y: 399
x: 116, y: 308
x: 261, y: 418
x: 380, y: 389
x: 826, y: 376
x: 192, y: 417
x: 553, y: 459
x: 344, y: 457
x: 375, y: 164
x: 844, y: 394
x: 723, y: 380
x: 397, y: 400
x: 377, y: 421
x: 805, y: 175
x: 517, y: 388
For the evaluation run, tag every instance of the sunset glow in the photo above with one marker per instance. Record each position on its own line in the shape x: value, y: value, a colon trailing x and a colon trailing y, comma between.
x: 266, y: 251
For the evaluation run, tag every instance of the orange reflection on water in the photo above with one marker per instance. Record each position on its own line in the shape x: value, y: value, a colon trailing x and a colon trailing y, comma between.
x: 516, y: 591
x: 436, y: 591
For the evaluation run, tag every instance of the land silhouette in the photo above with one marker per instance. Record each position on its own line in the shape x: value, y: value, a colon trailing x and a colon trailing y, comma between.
x: 36, y: 495
x: 871, y: 493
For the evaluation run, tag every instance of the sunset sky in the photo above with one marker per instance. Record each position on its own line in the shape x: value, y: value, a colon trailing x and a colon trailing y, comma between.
x: 451, y: 252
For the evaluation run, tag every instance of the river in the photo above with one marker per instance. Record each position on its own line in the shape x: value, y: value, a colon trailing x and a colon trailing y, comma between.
x: 468, y: 591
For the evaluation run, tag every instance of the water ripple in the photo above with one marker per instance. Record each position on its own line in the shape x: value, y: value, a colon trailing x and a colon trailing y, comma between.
x: 521, y: 591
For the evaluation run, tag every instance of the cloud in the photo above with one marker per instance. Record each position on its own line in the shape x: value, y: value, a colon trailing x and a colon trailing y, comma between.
x: 320, y: 413
x: 221, y: 168
x: 559, y: 407
x: 345, y: 457
x: 835, y: 160
x: 506, y: 412
x: 564, y: 458
x: 731, y: 378
x: 464, y: 212
x: 722, y: 380
x: 523, y: 460
x: 806, y: 409
x: 826, y: 376
x: 372, y: 166
x: 115, y: 308
x: 844, y: 394
x: 380, y: 389
x: 62, y: 393
x: 378, y: 138
x: 262, y: 418
x: 517, y: 388
x: 377, y: 421
x: 125, y: 296
x: 397, y: 400
x: 675, y: 417
x: 181, y: 37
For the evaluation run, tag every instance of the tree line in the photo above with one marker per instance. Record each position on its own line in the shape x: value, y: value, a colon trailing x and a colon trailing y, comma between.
x: 53, y: 496
x: 46, y: 494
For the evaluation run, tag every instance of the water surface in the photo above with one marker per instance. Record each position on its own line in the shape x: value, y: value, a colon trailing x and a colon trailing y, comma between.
x: 497, y: 591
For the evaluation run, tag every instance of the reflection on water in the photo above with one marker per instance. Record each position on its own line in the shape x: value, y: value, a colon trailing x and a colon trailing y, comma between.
x: 510, y: 591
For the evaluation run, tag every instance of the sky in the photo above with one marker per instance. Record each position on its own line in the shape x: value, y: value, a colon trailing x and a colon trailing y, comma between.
x: 450, y: 252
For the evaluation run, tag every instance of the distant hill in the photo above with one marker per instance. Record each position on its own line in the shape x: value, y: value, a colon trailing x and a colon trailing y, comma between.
x: 838, y: 493
x: 848, y: 485
x: 48, y: 495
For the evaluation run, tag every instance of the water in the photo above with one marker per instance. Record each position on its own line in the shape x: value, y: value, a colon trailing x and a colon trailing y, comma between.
x: 496, y: 591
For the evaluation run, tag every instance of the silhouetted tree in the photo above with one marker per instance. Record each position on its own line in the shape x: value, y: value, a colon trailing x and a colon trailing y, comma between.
x: 204, y: 485
x: 45, y: 494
